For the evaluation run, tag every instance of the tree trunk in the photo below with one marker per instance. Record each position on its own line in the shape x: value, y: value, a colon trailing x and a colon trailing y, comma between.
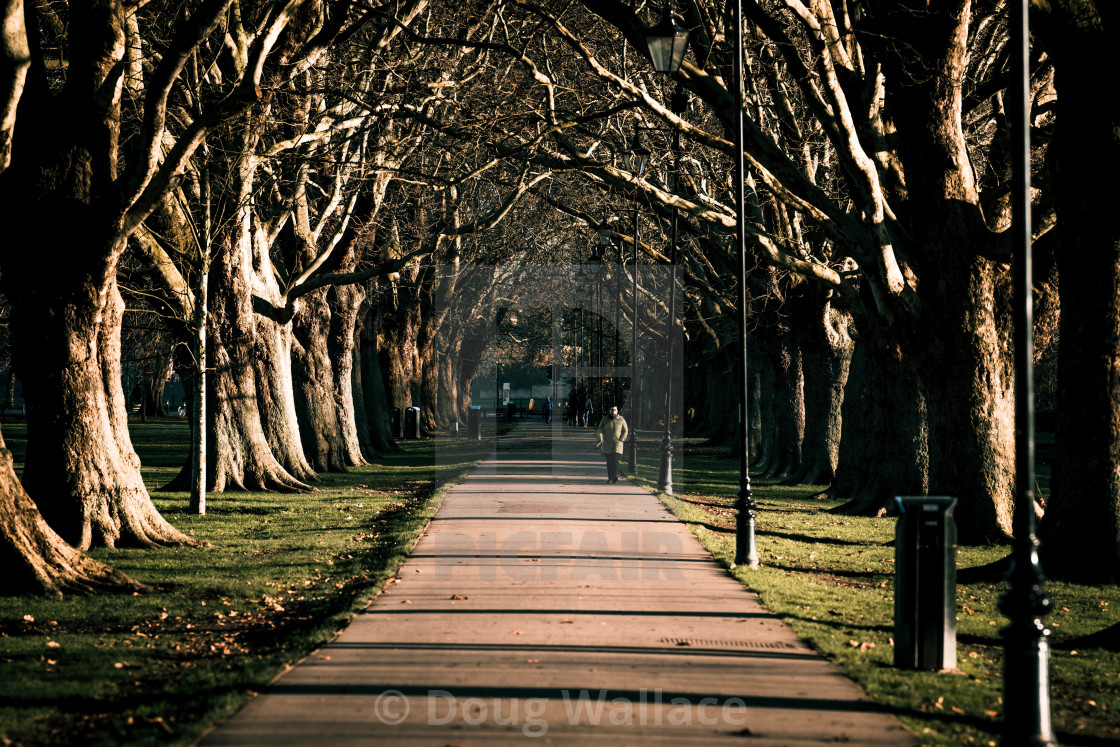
x: 240, y: 455
x: 373, y: 386
x: 346, y: 300
x: 788, y: 408
x: 80, y: 458
x: 155, y: 383
x: 883, y: 444
x: 826, y: 354
x: 313, y: 374
x: 1081, y: 528
x: 952, y: 356
x: 768, y: 383
x: 361, y: 412
x: 37, y: 560
x: 273, y: 369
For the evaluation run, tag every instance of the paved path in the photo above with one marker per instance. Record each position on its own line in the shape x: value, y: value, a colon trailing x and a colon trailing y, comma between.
x: 544, y: 605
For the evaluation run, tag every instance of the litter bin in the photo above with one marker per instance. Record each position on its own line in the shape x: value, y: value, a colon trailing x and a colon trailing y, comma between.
x: 412, y: 422
x: 925, y: 584
x: 511, y: 410
x: 474, y: 423
x: 396, y: 421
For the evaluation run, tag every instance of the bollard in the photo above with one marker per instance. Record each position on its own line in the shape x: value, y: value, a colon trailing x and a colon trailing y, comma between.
x: 396, y: 421
x: 412, y: 422
x: 925, y: 586
x: 474, y: 423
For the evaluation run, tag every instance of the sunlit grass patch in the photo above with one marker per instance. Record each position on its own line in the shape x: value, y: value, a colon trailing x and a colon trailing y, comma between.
x: 281, y: 575
x: 831, y: 577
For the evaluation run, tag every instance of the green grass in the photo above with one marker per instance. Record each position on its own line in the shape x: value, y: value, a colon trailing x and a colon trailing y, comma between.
x: 831, y: 577
x: 283, y: 573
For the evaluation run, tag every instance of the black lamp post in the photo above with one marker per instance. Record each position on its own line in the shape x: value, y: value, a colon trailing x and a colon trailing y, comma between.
x: 596, y: 262
x: 678, y: 104
x: 746, y: 553
x: 667, y: 42
x: 1026, y: 679
x: 639, y: 154
x: 582, y: 360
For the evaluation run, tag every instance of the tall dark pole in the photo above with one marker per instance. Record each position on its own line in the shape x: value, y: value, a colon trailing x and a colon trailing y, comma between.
x: 1026, y: 679
x: 617, y: 322
x: 679, y: 104
x: 599, y: 360
x: 746, y: 553
x: 632, y: 457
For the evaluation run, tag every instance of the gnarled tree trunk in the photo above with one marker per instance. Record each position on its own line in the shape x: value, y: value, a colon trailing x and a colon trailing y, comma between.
x: 313, y: 374
x: 34, y: 557
x: 80, y: 460
x: 373, y: 387
x: 239, y: 455
x: 826, y: 354
x: 346, y: 301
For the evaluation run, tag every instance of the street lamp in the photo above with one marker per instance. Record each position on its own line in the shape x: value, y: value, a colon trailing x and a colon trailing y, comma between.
x: 596, y: 262
x: 667, y: 42
x: 1026, y: 680
x: 678, y: 105
x: 639, y: 159
x: 746, y: 553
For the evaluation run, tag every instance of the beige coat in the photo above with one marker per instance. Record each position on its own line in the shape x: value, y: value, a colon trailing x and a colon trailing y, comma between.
x: 613, y: 433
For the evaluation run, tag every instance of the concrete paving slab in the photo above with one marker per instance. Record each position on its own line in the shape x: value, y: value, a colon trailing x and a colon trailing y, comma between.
x: 543, y: 604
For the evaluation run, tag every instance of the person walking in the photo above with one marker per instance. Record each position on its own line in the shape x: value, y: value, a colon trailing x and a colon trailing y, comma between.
x: 587, y: 410
x: 547, y: 408
x: 612, y: 432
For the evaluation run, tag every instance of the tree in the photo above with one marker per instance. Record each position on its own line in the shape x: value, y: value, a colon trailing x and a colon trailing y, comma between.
x: 1081, y: 527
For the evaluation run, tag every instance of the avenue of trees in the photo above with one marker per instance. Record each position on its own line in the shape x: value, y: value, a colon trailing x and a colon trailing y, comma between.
x: 287, y: 195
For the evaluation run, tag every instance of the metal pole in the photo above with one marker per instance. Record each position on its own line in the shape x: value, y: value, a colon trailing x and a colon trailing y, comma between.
x: 599, y: 333
x: 632, y: 458
x: 1026, y: 679
x: 746, y: 553
x: 617, y: 321
x: 665, y: 478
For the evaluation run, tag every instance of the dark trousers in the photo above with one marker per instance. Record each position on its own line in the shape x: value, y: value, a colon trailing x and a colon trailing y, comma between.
x: 612, y: 466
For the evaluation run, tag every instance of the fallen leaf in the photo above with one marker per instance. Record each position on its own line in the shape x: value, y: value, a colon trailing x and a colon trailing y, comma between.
x: 457, y: 596
x: 515, y: 632
x: 53, y: 644
x: 29, y: 618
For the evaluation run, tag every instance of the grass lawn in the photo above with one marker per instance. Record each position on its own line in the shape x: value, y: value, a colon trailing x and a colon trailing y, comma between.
x: 283, y: 573
x: 831, y: 577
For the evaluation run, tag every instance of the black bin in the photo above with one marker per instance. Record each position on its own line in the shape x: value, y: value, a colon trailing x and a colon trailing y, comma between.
x: 396, y: 421
x: 474, y: 423
x: 511, y: 410
x: 925, y: 584
x: 412, y: 422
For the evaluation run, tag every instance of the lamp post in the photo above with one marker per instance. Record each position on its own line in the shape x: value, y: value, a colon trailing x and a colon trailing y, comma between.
x: 580, y: 277
x: 746, y: 553
x: 667, y: 42
x: 639, y: 160
x: 596, y: 262
x: 1026, y: 679
x: 678, y: 105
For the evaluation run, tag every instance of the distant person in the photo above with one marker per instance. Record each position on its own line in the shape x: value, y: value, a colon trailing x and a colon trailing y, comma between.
x: 587, y: 411
x: 612, y: 432
x: 547, y: 408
